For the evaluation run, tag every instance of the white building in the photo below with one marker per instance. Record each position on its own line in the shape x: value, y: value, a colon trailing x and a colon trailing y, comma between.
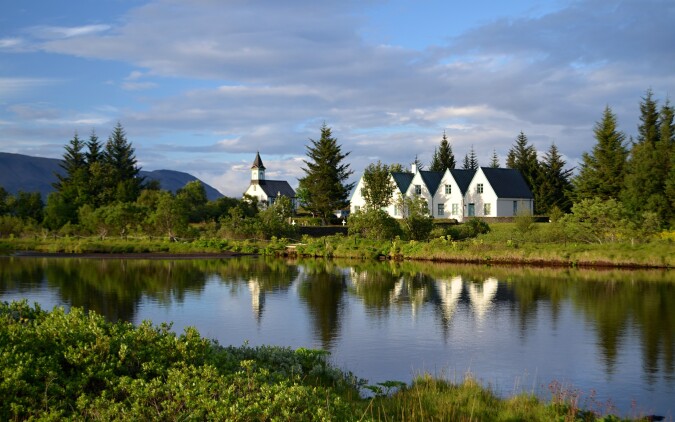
x: 267, y: 191
x: 458, y: 194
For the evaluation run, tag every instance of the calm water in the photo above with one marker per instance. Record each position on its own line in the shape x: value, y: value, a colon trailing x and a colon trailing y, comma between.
x: 608, y: 334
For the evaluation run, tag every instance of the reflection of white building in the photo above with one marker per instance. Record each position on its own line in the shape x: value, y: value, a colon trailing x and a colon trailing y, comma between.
x: 257, y: 298
x: 449, y: 293
x: 481, y: 296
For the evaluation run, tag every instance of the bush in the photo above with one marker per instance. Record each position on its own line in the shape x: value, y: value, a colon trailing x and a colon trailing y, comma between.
x: 374, y: 224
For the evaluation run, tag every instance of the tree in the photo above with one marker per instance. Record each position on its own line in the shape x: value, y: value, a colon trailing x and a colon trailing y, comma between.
x: 398, y: 168
x: 170, y: 217
x: 26, y: 205
x: 523, y: 157
x: 325, y: 176
x: 649, y: 164
x: 121, y: 161
x: 73, y: 185
x: 602, y: 171
x: 374, y: 223
x: 494, y: 162
x: 419, y: 165
x: 74, y: 163
x: 470, y: 160
x: 554, y: 187
x: 443, y: 157
x: 378, y: 187
x: 193, y: 197
x: 417, y: 220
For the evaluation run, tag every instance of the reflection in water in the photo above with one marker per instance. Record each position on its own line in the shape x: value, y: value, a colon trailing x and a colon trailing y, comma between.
x: 628, y: 316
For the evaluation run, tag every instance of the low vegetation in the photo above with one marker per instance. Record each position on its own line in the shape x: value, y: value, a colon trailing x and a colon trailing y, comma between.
x: 75, y: 365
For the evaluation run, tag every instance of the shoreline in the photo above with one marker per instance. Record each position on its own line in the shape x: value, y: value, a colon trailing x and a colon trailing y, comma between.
x: 128, y: 255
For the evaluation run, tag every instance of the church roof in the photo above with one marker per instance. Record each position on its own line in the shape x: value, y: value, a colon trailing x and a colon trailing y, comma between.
x: 274, y: 188
x: 257, y: 163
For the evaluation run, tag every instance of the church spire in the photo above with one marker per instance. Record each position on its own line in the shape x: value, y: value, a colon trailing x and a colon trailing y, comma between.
x: 257, y: 169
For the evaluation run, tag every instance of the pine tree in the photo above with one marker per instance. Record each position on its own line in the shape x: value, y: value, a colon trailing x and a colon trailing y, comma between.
x: 124, y: 183
x: 94, y: 153
x: 648, y: 166
x: 325, y: 176
x: 470, y: 160
x: 523, y: 157
x: 494, y: 163
x: 602, y: 171
x: 74, y: 162
x: 419, y: 165
x: 443, y: 157
x: 554, y: 187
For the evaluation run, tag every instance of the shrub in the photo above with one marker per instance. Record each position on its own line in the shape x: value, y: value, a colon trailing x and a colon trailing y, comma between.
x: 374, y: 224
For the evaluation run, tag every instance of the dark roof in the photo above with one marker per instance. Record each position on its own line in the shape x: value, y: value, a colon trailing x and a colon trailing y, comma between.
x: 463, y: 178
x: 402, y: 180
x: 432, y: 179
x: 507, y: 183
x: 273, y: 188
x: 257, y: 163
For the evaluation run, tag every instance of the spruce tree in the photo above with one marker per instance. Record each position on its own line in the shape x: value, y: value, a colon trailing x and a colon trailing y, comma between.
x: 443, y: 157
x: 325, y: 176
x: 74, y: 162
x: 494, y: 162
x: 602, y: 171
x: 119, y: 158
x: 648, y: 166
x: 470, y: 160
x: 523, y: 157
x: 554, y: 187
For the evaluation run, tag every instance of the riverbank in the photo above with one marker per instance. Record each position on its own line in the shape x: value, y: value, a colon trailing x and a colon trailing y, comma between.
x: 76, y: 365
x: 499, y: 247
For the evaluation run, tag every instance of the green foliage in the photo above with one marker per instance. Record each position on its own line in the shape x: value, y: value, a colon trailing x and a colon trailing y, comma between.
x: 374, y: 223
x: 470, y: 160
x: 324, y: 186
x: 523, y: 157
x: 59, y: 365
x: 594, y: 220
x: 417, y: 221
x: 443, y: 157
x: 554, y: 188
x: 378, y: 187
x: 602, y: 171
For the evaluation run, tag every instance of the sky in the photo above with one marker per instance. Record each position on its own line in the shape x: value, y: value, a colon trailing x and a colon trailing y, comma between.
x: 200, y: 86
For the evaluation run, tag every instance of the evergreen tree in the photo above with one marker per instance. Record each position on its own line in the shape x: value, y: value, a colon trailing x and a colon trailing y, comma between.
x: 124, y: 183
x: 443, y: 157
x: 94, y: 153
x: 74, y: 163
x: 602, y: 171
x: 72, y: 186
x: 649, y: 164
x: 325, y: 176
x: 470, y: 160
x: 554, y: 187
x: 494, y: 163
x: 523, y: 157
x: 667, y: 132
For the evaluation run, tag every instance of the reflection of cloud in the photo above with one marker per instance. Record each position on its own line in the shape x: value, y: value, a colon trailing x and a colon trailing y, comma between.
x: 481, y: 295
x: 449, y: 293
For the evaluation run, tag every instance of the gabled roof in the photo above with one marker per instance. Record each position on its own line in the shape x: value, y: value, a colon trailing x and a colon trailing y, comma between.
x: 403, y: 180
x: 257, y: 163
x: 507, y: 183
x: 432, y: 179
x: 274, y: 188
x: 463, y: 178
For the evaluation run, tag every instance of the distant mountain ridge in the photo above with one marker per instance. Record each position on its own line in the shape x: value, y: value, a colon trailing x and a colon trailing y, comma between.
x: 37, y: 174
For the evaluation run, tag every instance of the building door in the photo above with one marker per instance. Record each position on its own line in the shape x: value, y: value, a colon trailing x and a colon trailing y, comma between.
x: 472, y: 210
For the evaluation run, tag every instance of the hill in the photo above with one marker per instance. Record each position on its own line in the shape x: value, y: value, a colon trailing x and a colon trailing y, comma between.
x: 36, y: 174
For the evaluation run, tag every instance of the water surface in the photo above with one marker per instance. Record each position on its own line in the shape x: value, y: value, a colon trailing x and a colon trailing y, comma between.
x: 606, y: 335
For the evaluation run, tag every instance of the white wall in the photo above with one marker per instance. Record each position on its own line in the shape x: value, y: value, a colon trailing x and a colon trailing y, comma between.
x: 480, y: 199
x: 455, y: 197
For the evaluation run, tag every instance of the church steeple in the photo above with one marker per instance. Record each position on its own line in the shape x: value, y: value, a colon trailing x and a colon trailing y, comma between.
x: 257, y: 169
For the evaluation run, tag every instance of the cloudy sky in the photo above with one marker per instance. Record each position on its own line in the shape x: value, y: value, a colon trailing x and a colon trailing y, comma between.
x: 201, y: 85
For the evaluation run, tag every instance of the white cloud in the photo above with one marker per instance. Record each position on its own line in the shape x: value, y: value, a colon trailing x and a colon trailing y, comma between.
x: 60, y: 32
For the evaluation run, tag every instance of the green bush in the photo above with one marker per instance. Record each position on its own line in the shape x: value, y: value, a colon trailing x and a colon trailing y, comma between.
x: 374, y: 224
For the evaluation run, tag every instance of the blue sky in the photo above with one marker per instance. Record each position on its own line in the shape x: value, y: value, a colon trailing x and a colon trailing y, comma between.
x: 200, y: 86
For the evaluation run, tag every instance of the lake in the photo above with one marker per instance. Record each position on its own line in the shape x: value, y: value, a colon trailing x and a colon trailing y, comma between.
x: 607, y: 336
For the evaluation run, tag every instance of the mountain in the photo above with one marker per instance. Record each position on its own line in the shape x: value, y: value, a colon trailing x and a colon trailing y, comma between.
x: 36, y: 174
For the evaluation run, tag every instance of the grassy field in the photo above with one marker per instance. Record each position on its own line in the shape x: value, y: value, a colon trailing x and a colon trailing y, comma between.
x: 541, y: 244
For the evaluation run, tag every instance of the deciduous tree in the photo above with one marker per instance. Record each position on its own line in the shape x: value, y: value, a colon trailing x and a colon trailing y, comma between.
x: 378, y: 186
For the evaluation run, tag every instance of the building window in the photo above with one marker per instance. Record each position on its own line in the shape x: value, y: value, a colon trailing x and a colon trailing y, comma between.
x: 418, y: 189
x: 441, y: 209
x: 486, y: 209
x: 357, y: 208
x: 479, y: 188
x: 448, y: 189
x: 455, y: 209
x: 515, y: 207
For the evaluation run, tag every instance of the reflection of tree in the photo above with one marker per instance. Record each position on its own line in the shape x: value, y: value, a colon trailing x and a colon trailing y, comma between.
x: 321, y: 287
